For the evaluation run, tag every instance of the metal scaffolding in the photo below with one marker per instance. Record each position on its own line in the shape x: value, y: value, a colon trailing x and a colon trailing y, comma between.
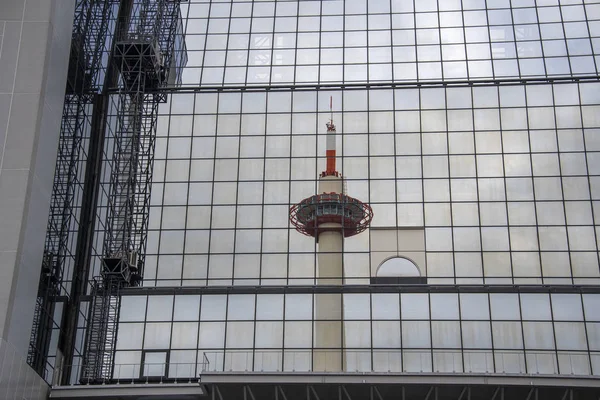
x: 148, y: 55
x: 147, y: 60
x: 88, y: 40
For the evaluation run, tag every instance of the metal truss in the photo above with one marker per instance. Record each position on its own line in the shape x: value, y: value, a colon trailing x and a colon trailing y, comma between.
x: 90, y: 30
x: 130, y: 181
x: 146, y: 58
x: 101, y: 333
x: 398, y: 392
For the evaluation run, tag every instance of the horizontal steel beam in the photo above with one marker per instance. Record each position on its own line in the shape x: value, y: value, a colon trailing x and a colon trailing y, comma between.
x: 175, y: 391
x: 404, y: 379
x: 417, y: 288
x: 362, y: 86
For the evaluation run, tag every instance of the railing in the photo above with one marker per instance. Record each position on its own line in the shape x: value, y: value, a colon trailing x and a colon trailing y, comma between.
x: 401, y: 361
x: 455, y: 361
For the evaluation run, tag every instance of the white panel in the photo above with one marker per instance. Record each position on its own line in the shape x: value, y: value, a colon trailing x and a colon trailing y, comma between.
x: 507, y: 335
x: 386, y: 334
x: 539, y: 362
x: 357, y: 306
x: 130, y: 336
x: 269, y: 335
x: 476, y: 334
x: 238, y: 335
x: 572, y: 363
x: 416, y: 360
x: 269, y: 307
x: 385, y: 306
x: 133, y: 308
x: 298, y: 335
x: 357, y: 334
x: 445, y: 334
x: 538, y: 335
x: 387, y: 361
x: 157, y: 336
x: 416, y: 334
x: 447, y: 361
x: 211, y: 335
x: 185, y: 335
x: 187, y: 308
x: 478, y: 361
x: 512, y: 362
x: 570, y: 336
x: 414, y: 305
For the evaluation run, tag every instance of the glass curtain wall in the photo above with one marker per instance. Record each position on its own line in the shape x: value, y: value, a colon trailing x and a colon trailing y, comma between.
x: 472, y: 128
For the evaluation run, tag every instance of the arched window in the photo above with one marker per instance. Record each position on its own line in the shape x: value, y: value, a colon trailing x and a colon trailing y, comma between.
x: 398, y: 270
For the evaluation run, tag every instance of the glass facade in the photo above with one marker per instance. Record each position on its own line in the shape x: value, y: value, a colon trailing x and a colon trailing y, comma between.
x: 472, y: 128
x: 525, y: 332
x: 500, y: 178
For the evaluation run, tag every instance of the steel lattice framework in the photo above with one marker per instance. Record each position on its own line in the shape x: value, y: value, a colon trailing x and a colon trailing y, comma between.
x: 88, y: 41
x: 147, y: 59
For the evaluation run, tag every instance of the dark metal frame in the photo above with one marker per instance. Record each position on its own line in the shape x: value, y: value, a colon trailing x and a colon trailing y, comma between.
x: 144, y: 57
x: 88, y: 39
x: 150, y: 378
x: 399, y: 392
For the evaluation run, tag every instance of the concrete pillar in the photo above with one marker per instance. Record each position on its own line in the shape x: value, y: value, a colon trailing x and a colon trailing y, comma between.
x: 329, y: 309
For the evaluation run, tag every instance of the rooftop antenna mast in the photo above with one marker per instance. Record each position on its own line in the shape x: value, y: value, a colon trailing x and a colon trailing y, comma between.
x: 330, y: 149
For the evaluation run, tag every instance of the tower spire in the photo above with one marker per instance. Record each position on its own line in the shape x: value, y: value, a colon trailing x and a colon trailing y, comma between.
x: 330, y: 149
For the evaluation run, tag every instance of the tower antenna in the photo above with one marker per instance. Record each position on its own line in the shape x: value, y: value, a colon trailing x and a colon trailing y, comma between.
x: 330, y: 148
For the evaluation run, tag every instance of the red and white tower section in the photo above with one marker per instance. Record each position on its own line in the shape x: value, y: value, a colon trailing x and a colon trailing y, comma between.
x: 329, y: 217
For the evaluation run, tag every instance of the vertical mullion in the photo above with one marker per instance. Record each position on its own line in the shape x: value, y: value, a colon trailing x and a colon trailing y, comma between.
x: 187, y: 201
x: 272, y: 46
x: 562, y: 24
x: 562, y: 187
x: 205, y: 42
x: 587, y: 24
x: 587, y: 337
x: 537, y: 14
x: 262, y: 202
x: 554, y: 333
x: 587, y: 166
x: 487, y: 21
x: 255, y: 322
x: 514, y: 43
x: 237, y: 196
x: 212, y: 195
x: 249, y: 48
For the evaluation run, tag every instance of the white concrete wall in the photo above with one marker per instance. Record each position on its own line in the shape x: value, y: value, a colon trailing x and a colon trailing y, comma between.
x: 34, y: 51
x: 17, y: 379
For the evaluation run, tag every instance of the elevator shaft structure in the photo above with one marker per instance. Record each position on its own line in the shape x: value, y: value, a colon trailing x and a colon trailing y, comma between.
x: 329, y: 217
x: 147, y: 59
x: 88, y: 39
x: 149, y: 55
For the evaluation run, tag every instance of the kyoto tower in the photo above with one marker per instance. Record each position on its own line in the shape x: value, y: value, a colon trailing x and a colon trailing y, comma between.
x: 329, y: 217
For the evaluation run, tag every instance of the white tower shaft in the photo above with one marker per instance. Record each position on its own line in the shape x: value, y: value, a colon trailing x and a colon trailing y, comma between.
x: 329, y: 327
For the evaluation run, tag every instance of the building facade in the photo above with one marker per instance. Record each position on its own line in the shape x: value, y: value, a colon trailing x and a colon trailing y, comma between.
x: 471, y: 128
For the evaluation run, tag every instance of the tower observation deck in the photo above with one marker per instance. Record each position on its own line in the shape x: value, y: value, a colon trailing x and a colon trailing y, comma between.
x: 330, y: 210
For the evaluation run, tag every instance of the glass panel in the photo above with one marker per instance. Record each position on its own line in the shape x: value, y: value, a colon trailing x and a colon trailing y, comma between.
x: 505, y: 306
x: 133, y: 308
x: 444, y: 306
x: 474, y: 306
x: 414, y: 306
x: 155, y: 363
